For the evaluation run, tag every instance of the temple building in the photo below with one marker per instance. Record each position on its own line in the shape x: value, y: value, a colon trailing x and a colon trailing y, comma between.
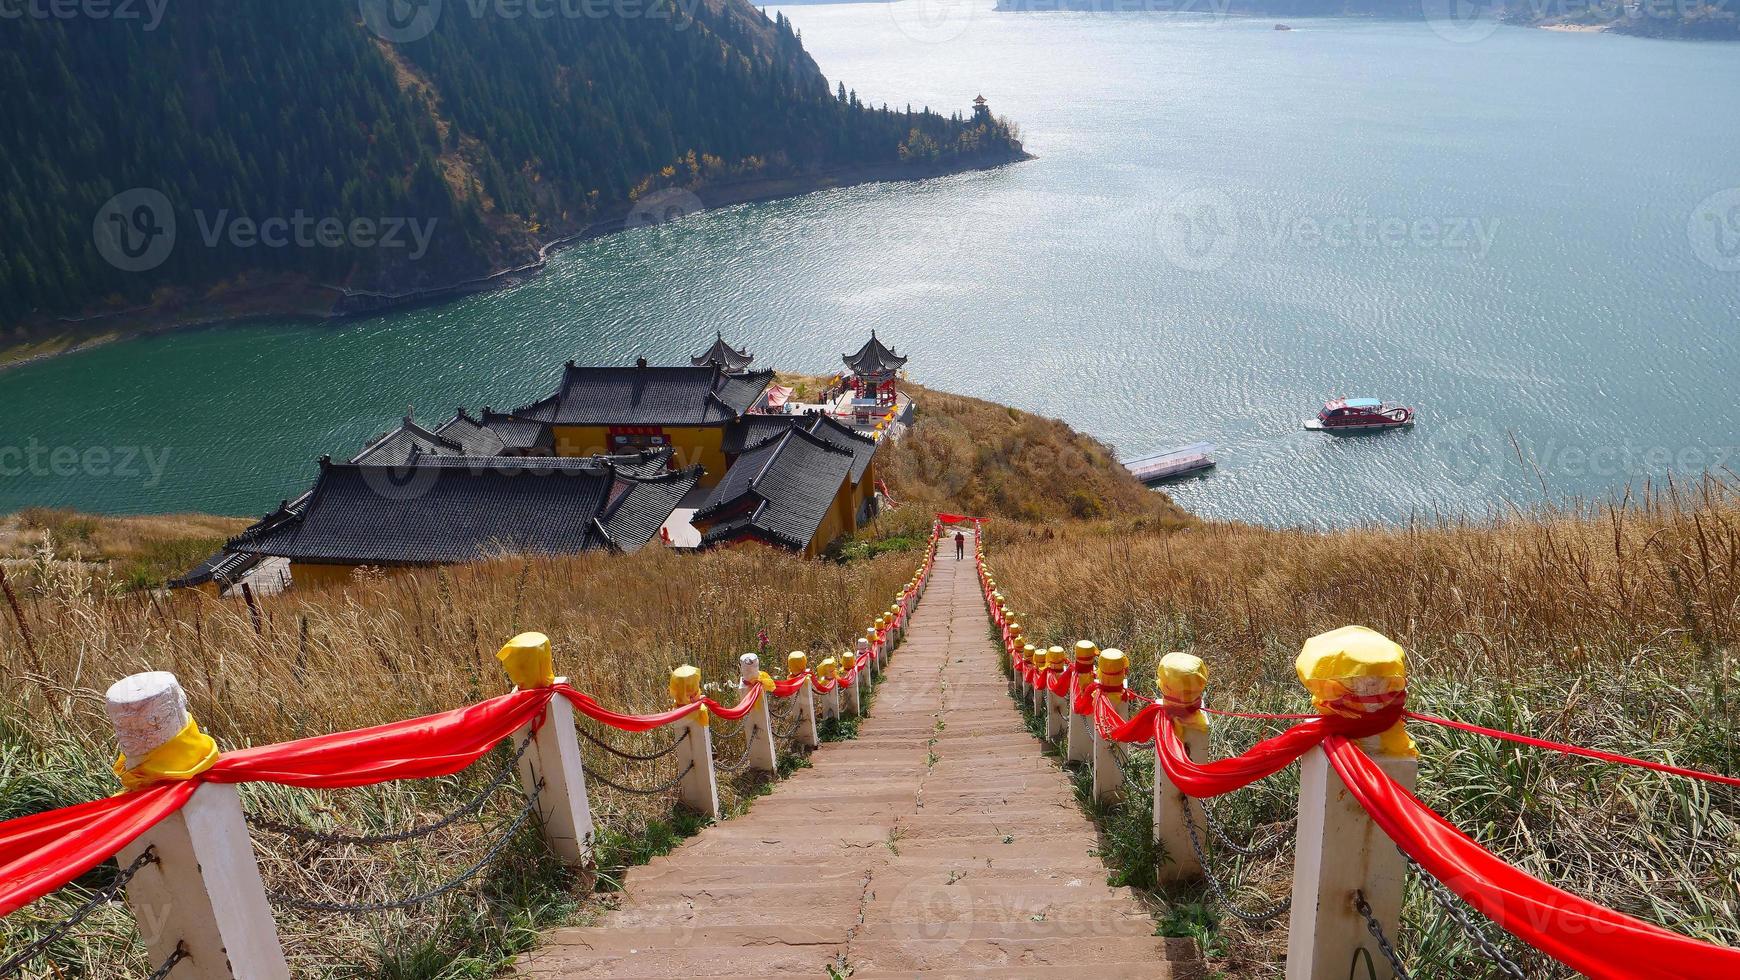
x: 439, y: 510
x: 723, y: 356
x: 790, y: 490
x: 611, y: 410
x: 874, y: 372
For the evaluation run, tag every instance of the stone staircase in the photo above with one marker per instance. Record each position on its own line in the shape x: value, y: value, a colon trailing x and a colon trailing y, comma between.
x: 939, y: 843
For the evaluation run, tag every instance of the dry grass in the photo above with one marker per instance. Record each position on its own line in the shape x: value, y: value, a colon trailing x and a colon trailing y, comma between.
x: 121, y: 552
x: 975, y: 457
x: 1611, y: 626
x: 388, y: 649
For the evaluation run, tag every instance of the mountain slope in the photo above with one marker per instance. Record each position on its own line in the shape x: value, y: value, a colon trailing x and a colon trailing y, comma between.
x: 232, y: 131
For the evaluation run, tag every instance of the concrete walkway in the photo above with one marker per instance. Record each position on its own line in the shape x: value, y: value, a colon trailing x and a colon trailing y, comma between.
x: 939, y: 843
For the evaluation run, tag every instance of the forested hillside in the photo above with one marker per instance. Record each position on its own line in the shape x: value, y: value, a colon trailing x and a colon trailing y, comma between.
x: 272, y: 129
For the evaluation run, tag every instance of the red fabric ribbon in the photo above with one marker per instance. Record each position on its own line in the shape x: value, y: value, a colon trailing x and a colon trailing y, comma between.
x: 1541, y: 743
x: 1264, y: 759
x: 1589, y: 938
x: 960, y: 519
x: 790, y: 686
x: 1113, y: 728
x: 742, y: 709
x: 45, y: 851
x: 586, y: 705
x: 1060, y: 682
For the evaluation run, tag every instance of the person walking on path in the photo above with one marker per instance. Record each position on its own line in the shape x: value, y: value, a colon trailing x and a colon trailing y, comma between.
x: 960, y: 546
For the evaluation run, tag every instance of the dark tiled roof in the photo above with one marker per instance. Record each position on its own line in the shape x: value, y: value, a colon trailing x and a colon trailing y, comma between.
x: 873, y: 358
x: 396, y: 446
x: 642, y: 505
x: 474, y: 436
x: 723, y: 355
x: 840, y: 435
x: 653, y: 462
x: 650, y: 396
x: 225, y: 568
x: 444, y: 509
x: 752, y: 430
x: 779, y: 489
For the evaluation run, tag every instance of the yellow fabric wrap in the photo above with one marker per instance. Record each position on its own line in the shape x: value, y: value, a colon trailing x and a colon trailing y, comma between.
x: 527, y: 660
x: 1182, y: 678
x: 1056, y: 659
x: 185, y: 756
x: 1111, y: 669
x: 796, y: 663
x: 766, y: 682
x: 686, y: 689
x: 1354, y: 671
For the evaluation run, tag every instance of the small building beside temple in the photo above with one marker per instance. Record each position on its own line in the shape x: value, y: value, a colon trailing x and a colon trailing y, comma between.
x: 874, y: 373
x: 723, y: 356
x: 792, y: 490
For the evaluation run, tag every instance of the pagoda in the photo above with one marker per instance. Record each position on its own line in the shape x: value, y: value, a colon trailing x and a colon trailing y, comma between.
x: 981, y: 110
x: 723, y: 356
x: 875, y: 371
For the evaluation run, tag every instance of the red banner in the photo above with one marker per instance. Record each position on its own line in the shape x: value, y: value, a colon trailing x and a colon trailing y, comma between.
x: 1586, y: 937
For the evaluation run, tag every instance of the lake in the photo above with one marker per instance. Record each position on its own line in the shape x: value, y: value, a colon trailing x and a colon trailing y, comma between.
x: 1531, y: 237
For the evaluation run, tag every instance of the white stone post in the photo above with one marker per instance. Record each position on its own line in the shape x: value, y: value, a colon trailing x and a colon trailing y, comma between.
x: 758, y: 725
x: 699, y: 787
x: 866, y: 655
x: 1057, y: 705
x: 855, y: 690
x: 796, y: 664
x: 1080, y: 745
x: 1181, y: 679
x: 1341, y: 852
x: 1108, y: 777
x: 553, y: 759
x: 203, y: 891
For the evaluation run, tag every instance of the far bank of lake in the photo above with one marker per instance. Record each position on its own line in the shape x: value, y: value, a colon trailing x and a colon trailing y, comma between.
x: 1522, y: 237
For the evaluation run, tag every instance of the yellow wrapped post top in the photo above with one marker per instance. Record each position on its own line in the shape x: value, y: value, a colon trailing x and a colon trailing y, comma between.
x: 686, y: 689
x: 1356, y: 671
x: 1014, y: 631
x: 1182, y: 678
x: 1111, y: 671
x: 1087, y: 654
x: 849, y: 660
x: 527, y: 660
x: 185, y: 756
x: 1029, y: 655
x: 796, y: 662
x: 828, y: 669
x: 1056, y: 659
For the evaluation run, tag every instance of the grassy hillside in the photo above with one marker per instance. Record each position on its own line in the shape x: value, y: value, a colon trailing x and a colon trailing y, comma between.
x: 385, y: 650
x: 1609, y: 626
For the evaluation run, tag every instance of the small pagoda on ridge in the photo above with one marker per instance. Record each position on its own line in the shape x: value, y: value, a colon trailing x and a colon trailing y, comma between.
x: 875, y: 371
x: 723, y: 356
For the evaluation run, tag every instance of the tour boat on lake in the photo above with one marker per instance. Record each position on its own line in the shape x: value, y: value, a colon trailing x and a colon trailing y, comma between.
x: 1183, y: 461
x: 1347, y: 415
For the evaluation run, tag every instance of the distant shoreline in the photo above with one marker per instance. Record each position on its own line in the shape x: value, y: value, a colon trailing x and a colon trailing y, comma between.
x: 301, y: 300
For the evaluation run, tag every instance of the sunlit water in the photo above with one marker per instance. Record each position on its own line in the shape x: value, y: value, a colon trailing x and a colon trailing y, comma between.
x: 1224, y: 225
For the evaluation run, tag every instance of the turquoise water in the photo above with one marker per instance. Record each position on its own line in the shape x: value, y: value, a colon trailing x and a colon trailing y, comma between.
x: 1224, y: 225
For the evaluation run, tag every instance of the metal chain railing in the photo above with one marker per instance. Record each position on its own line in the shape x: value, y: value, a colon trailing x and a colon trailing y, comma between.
x: 15, y: 963
x: 1373, y: 926
x: 1453, y: 907
x: 471, y: 806
x: 1267, y: 849
x: 638, y: 790
x: 451, y: 885
x: 630, y: 756
x: 1256, y: 918
x: 169, y: 964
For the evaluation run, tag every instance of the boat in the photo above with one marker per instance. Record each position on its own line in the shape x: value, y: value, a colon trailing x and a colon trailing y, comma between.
x: 1172, y: 464
x: 1351, y: 415
x: 1282, y: 27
